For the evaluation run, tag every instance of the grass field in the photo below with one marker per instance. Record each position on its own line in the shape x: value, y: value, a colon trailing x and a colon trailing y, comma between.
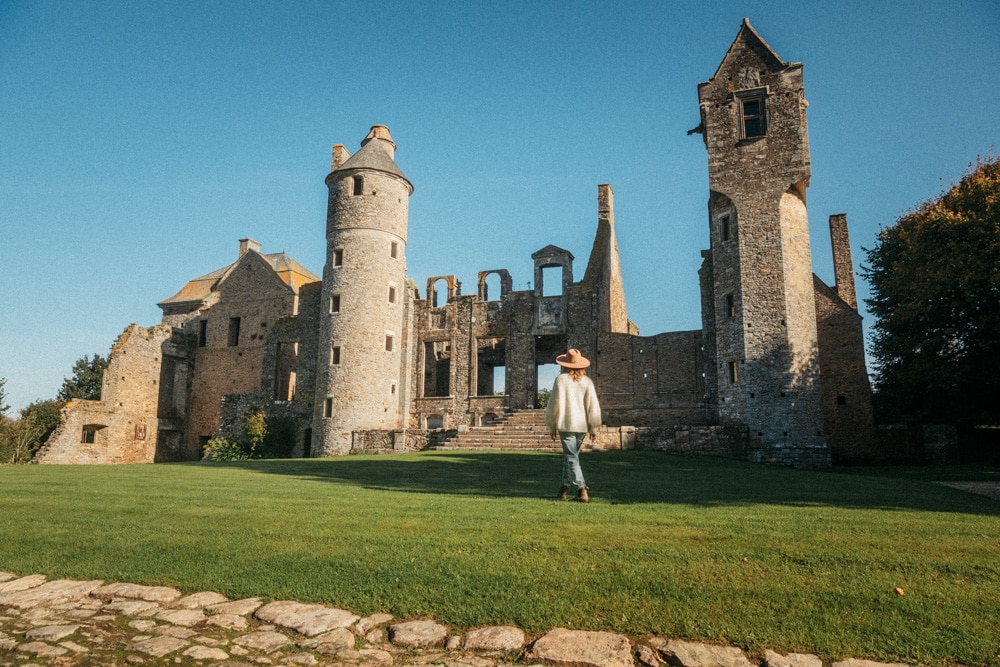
x: 719, y: 551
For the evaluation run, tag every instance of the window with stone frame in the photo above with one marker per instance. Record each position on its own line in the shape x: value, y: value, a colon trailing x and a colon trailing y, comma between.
x: 392, y: 294
x: 359, y: 185
x: 732, y: 372
x: 335, y: 355
x: 338, y: 257
x: 328, y: 407
x: 334, y: 303
x: 725, y: 228
x: 730, y: 306
x: 234, y: 331
x: 202, y: 333
x: 394, y: 249
x: 388, y: 342
x: 753, y: 119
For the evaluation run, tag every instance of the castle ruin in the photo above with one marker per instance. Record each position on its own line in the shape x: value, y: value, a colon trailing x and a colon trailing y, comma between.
x: 357, y: 361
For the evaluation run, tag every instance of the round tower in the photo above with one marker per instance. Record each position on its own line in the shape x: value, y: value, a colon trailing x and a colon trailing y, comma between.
x: 362, y: 315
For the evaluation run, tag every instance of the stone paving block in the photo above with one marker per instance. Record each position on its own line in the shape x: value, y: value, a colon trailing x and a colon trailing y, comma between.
x: 575, y: 648
x: 238, y: 607
x: 131, y: 607
x: 228, y: 621
x: 23, y: 583
x: 206, y: 653
x: 185, y: 617
x: 51, y: 633
x: 163, y: 594
x: 48, y: 594
x: 495, y: 638
x: 73, y: 646
x: 42, y: 650
x: 200, y: 600
x: 267, y: 642
x: 7, y: 642
x: 854, y: 662
x: 373, y: 621
x: 693, y: 654
x: 158, y: 646
x: 7, y: 576
x: 307, y: 619
x: 174, y: 631
x: 339, y: 637
x: 377, y: 656
x: 772, y: 659
x: 418, y: 634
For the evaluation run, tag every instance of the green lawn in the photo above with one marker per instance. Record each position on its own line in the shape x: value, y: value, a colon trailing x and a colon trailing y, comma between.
x: 756, y: 556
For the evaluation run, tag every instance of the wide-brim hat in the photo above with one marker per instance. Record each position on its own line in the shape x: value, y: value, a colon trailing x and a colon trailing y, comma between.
x: 573, y: 359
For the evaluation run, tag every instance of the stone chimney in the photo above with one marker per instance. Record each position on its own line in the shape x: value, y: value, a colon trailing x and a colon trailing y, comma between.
x: 843, y: 267
x: 340, y: 156
x: 606, y: 203
x: 248, y: 244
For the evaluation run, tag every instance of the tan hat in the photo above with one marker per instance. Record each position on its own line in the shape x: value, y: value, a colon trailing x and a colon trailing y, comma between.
x: 573, y: 359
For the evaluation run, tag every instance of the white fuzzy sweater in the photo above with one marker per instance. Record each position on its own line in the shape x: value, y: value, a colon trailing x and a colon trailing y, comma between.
x: 573, y: 406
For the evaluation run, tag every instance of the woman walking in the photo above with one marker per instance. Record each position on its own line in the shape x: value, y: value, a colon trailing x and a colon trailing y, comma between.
x: 573, y: 412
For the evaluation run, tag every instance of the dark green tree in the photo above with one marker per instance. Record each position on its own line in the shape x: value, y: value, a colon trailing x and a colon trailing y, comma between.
x: 935, y: 295
x: 86, y: 381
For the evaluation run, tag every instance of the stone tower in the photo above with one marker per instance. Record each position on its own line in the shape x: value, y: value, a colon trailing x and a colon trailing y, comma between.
x: 363, y: 318
x: 759, y: 315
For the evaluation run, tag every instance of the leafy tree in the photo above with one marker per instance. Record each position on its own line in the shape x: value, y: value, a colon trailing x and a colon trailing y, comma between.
x: 935, y: 279
x: 86, y: 381
x: 20, y: 438
x: 3, y: 397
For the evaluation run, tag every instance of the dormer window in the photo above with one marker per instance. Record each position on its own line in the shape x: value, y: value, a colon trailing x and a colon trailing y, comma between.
x: 752, y: 117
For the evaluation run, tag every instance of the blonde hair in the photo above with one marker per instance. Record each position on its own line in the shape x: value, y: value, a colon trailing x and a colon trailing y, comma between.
x: 576, y: 373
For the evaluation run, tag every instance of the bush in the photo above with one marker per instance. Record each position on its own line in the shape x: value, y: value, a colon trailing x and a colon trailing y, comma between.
x: 220, y: 449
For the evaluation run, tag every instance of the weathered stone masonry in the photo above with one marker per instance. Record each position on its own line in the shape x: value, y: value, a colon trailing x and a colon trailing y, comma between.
x: 358, y: 361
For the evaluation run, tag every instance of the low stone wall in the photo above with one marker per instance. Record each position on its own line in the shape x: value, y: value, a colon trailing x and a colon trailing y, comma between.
x: 378, y: 441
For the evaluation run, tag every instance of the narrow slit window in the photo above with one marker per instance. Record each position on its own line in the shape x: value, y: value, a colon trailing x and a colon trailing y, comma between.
x: 335, y: 303
x: 359, y: 185
x: 338, y: 257
x: 724, y: 228
x: 730, y: 306
x: 388, y: 342
x: 392, y: 294
x: 234, y: 331
x: 394, y: 249
x: 732, y: 371
x: 335, y: 355
x: 328, y: 407
x: 202, y: 333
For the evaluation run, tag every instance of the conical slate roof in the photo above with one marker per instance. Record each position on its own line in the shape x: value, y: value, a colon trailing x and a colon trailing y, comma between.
x: 376, y: 153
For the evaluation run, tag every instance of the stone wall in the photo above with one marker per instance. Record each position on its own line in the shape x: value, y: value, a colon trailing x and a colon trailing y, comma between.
x: 141, y: 406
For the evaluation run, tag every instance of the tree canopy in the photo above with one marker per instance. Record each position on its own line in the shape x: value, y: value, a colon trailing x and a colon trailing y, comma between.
x: 3, y: 398
x: 88, y: 374
x: 935, y: 295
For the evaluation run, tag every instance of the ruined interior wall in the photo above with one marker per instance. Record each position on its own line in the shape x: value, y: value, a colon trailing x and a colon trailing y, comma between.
x: 847, y: 392
x: 124, y: 421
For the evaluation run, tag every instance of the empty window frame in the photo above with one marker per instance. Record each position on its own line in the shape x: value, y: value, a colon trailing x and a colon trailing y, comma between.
x: 234, y: 331
x: 389, y: 340
x: 394, y: 249
x: 730, y: 306
x: 359, y: 185
x: 725, y: 228
x: 437, y: 368
x: 392, y: 294
x: 732, y: 372
x: 202, y: 333
x: 334, y: 303
x: 89, y: 435
x: 338, y: 257
x: 752, y: 116
x: 328, y: 407
x: 335, y: 355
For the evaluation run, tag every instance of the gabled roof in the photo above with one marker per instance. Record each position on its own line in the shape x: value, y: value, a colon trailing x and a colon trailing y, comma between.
x: 551, y: 251
x: 287, y: 269
x: 748, y: 35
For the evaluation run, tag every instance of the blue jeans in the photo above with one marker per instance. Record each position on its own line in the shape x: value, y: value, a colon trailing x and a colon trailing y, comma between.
x: 572, y: 443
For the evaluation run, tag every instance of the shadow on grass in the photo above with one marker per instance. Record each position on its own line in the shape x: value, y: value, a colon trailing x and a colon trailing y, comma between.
x: 626, y: 477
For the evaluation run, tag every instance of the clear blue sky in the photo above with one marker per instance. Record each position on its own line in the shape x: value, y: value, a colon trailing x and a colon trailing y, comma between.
x: 140, y: 140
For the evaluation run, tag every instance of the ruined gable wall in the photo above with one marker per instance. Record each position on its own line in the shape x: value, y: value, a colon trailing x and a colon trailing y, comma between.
x: 125, y: 419
x: 253, y: 293
x: 847, y: 392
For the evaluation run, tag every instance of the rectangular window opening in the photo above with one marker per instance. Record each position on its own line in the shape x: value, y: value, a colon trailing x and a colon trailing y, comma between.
x: 388, y: 343
x: 730, y: 306
x: 392, y: 294
x: 359, y: 185
x: 328, y: 407
x: 338, y: 257
x: 724, y: 228
x: 733, y: 373
x: 335, y: 355
x: 202, y: 333
x: 394, y: 250
x: 335, y: 303
x: 234, y: 331
x: 752, y: 116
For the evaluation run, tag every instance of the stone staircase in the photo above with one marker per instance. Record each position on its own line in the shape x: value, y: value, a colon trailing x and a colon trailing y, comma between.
x: 520, y: 430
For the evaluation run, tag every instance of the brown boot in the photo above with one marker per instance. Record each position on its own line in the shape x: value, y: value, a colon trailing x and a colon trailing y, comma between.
x: 562, y: 493
x: 582, y: 496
